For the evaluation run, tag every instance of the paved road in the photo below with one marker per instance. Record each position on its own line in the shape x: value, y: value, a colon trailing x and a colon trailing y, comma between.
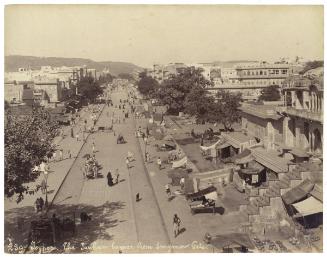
x: 117, y: 219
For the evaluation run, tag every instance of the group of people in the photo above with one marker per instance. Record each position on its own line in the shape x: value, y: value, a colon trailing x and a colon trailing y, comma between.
x: 112, y: 179
x: 91, y: 167
x: 38, y: 204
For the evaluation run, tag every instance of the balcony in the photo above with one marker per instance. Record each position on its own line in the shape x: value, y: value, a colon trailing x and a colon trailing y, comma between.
x: 302, y: 113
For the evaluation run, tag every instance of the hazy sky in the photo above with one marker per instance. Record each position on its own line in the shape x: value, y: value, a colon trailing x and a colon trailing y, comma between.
x: 160, y: 34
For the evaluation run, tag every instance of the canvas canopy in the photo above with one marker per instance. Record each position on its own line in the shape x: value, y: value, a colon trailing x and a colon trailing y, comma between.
x: 239, y: 239
x: 299, y: 192
x: 205, y: 148
x: 203, y: 192
x: 180, y: 162
x: 309, y: 206
x: 244, y: 157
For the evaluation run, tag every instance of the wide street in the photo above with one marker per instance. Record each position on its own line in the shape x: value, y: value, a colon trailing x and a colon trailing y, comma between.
x: 118, y: 222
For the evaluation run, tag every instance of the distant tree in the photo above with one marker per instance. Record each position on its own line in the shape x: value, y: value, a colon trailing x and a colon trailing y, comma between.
x: 312, y: 65
x: 126, y: 76
x: 89, y: 89
x: 225, y: 109
x: 198, y: 103
x: 147, y: 85
x: 173, y: 91
x: 105, y: 78
x: 7, y: 105
x: 28, y: 140
x: 270, y: 93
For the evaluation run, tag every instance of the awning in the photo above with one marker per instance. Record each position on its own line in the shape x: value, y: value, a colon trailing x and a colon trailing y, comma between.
x: 317, y: 192
x: 299, y: 153
x: 223, y: 145
x: 253, y: 168
x: 240, y: 239
x: 205, y: 148
x: 298, y: 192
x: 202, y: 192
x: 309, y: 206
x: 180, y: 163
x: 244, y: 157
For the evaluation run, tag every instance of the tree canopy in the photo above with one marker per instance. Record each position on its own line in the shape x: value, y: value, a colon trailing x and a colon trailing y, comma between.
x: 126, y: 76
x: 270, y: 93
x: 312, y: 65
x: 174, y: 90
x: 28, y: 140
x: 225, y: 109
x: 147, y: 85
x: 89, y: 89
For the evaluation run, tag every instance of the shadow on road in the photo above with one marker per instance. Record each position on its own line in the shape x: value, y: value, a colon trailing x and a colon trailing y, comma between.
x: 98, y: 228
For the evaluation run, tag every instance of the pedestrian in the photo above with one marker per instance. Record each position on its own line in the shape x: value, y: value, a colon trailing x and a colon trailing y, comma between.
x: 36, y: 205
x: 61, y: 154
x: 159, y: 163
x: 54, y: 155
x: 147, y: 157
x: 167, y: 189
x: 124, y: 120
x: 147, y: 131
x: 182, y: 183
x: 138, y: 197
x: 176, y: 225
x: 72, y: 132
x: 93, y: 148
x: 117, y: 176
x: 109, y: 179
x: 69, y: 154
x: 145, y: 140
x: 127, y: 163
x: 77, y: 136
x: 41, y: 201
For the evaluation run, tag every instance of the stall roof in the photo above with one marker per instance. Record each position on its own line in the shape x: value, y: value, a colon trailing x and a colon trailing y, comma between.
x: 299, y: 153
x: 298, y: 192
x: 236, y: 138
x: 244, y: 157
x: 181, y: 173
x: 241, y: 239
x: 270, y: 159
x: 202, y: 192
x: 317, y: 192
x: 309, y: 206
x: 253, y: 168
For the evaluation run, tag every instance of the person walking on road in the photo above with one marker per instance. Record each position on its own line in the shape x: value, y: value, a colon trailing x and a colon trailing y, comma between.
x: 93, y: 147
x: 61, y: 154
x: 117, y: 176
x: 109, y: 179
x: 176, y: 225
x: 43, y: 186
x: 72, y: 132
x: 159, y: 163
x: 127, y: 163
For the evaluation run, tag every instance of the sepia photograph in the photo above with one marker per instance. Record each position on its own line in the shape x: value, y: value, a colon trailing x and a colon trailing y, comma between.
x: 163, y: 128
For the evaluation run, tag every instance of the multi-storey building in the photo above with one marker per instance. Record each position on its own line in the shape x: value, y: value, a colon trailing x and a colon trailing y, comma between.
x: 249, y: 79
x: 298, y: 124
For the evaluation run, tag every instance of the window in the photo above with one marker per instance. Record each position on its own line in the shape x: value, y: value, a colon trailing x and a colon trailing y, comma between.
x: 265, y: 72
x: 261, y: 72
x: 277, y: 71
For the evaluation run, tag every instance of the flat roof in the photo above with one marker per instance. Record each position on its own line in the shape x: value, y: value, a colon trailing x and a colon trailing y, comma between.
x: 262, y: 111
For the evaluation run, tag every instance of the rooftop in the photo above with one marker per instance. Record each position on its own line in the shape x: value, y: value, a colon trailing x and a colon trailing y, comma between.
x: 262, y: 111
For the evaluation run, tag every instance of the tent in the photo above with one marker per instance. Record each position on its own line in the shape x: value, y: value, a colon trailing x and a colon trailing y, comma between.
x: 232, y: 239
x: 180, y: 162
x: 299, y: 192
x: 309, y: 206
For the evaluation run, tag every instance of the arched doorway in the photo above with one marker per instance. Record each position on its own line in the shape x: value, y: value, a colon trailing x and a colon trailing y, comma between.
x: 317, y: 144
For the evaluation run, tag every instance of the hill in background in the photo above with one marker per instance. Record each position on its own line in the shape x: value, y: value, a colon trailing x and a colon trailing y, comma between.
x: 13, y: 62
